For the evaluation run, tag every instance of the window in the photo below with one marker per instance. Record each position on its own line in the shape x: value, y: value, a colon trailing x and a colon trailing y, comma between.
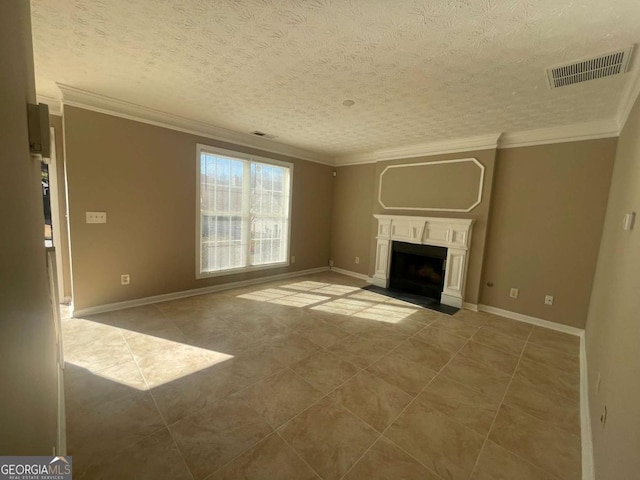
x: 243, y: 212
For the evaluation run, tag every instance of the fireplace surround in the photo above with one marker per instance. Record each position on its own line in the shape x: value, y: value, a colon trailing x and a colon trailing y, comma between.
x: 454, y: 234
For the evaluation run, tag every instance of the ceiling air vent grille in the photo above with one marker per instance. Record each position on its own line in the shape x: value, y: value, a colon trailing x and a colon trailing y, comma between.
x: 613, y: 63
x: 258, y: 133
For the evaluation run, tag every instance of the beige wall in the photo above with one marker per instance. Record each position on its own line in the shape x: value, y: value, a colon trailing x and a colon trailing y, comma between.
x: 546, y: 221
x: 480, y: 213
x: 420, y: 186
x: 56, y: 123
x: 613, y: 326
x: 28, y: 374
x: 143, y: 176
x: 352, y: 217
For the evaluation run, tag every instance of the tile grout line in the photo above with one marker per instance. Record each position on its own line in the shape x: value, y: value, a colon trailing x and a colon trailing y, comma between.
x: 402, y: 411
x: 261, y: 379
x: 276, y: 430
x: 486, y: 438
x: 328, y: 394
x: 161, y: 313
x: 358, y: 372
x: 166, y: 316
x: 527, y: 342
x: 273, y: 430
x: 149, y: 390
x: 422, y: 390
x: 208, y: 475
x: 249, y: 385
x: 298, y: 455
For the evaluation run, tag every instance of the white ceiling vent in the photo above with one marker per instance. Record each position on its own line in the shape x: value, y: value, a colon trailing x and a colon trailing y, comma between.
x: 258, y: 133
x: 614, y: 63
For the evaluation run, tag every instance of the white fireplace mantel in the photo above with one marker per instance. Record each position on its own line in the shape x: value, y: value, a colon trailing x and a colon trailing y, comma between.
x: 452, y: 233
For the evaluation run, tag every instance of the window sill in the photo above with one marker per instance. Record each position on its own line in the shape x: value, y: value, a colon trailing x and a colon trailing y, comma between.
x: 233, y: 271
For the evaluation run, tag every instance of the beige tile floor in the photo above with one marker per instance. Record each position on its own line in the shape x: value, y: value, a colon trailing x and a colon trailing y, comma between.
x: 312, y: 378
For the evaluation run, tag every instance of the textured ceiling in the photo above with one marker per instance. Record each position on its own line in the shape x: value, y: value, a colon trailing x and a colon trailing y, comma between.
x: 418, y: 71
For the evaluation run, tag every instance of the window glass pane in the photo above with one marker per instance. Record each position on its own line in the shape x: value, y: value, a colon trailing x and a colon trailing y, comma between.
x: 221, y: 213
x: 244, y: 211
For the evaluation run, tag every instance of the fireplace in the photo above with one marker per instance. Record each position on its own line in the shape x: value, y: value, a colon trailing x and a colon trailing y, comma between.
x: 418, y: 269
x: 412, y: 253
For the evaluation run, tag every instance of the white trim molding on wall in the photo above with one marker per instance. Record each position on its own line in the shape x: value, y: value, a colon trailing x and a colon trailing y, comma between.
x: 55, y: 108
x: 558, y: 134
x: 349, y: 273
x: 440, y: 162
x: 76, y: 97
x: 441, y: 147
x: 588, y: 472
x: 454, y: 234
x: 109, y: 307
x: 539, y: 322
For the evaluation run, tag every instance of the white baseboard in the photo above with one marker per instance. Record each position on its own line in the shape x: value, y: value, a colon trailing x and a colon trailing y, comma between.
x: 61, y: 441
x: 361, y: 276
x: 588, y: 472
x: 585, y: 417
x: 109, y: 307
x: 532, y: 320
x: 470, y: 306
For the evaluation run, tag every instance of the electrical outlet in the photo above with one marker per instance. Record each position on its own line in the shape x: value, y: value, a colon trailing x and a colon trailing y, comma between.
x: 125, y: 279
x: 331, y: 263
x: 293, y: 259
x: 514, y: 292
x: 357, y: 259
x: 548, y: 299
x: 96, y: 217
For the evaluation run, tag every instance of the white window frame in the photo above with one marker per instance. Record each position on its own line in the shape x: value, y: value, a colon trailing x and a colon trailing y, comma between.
x: 200, y: 148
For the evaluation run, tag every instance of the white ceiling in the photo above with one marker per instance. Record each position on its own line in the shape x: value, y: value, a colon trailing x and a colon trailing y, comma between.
x: 419, y: 71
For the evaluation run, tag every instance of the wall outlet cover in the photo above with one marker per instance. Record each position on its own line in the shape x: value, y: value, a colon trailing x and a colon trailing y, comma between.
x: 96, y: 217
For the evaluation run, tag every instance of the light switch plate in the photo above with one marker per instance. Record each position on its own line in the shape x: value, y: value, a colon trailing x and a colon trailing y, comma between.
x: 629, y: 220
x: 96, y: 217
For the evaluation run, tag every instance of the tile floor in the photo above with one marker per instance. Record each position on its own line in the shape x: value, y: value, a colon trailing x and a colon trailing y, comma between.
x: 313, y: 378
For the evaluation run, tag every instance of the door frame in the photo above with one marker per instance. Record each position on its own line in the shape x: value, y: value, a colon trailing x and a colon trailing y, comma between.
x: 55, y: 212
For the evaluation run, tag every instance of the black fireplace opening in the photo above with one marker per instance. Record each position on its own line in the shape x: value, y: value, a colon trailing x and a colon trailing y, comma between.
x: 417, y: 269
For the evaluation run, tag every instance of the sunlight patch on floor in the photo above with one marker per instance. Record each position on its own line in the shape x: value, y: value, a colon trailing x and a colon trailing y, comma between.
x: 300, y: 300
x: 131, y: 358
x: 344, y: 300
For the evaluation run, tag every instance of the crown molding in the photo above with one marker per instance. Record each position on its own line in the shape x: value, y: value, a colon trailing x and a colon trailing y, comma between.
x: 630, y: 93
x: 567, y: 133
x: 542, y: 136
x: 562, y: 134
x: 76, y: 97
x: 55, y: 108
x: 458, y: 145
